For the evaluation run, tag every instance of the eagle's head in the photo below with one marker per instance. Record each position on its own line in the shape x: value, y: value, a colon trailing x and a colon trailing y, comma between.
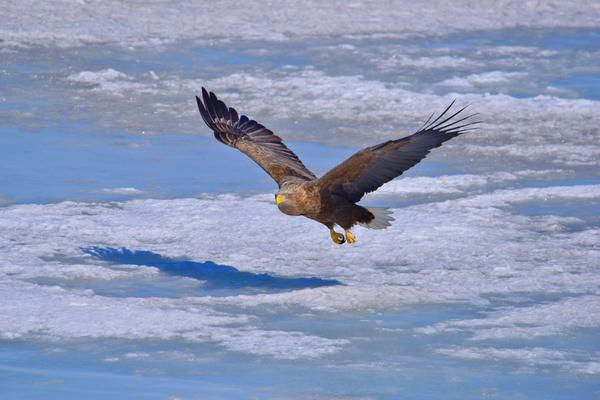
x: 286, y: 201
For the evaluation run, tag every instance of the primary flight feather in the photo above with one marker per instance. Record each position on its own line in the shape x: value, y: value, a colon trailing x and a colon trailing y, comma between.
x: 331, y: 199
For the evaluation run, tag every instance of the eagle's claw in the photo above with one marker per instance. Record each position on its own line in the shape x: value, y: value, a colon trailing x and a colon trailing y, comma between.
x: 350, y: 237
x: 337, y: 238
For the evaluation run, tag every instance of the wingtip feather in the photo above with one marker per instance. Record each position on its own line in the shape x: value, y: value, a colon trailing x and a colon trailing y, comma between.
x: 446, y: 125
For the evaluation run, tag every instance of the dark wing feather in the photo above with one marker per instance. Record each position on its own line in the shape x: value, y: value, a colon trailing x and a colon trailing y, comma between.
x: 370, y: 168
x: 253, y: 139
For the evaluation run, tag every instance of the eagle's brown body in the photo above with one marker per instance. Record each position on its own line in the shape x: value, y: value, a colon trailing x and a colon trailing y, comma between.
x: 331, y: 199
x: 314, y: 201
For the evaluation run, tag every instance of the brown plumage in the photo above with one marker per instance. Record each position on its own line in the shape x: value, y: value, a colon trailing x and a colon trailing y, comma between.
x: 332, y: 198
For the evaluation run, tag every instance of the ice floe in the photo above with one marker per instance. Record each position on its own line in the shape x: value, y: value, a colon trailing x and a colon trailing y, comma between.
x: 452, y: 251
x: 52, y: 313
x: 75, y: 24
x: 457, y: 184
x: 487, y: 79
x: 128, y: 191
x: 531, y: 357
x: 530, y: 322
x: 547, y: 129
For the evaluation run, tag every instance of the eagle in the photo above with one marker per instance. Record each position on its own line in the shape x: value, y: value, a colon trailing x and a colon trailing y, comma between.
x: 331, y: 199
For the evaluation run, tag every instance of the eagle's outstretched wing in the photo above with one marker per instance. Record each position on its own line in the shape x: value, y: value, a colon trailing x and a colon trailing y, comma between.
x: 370, y: 168
x: 253, y: 139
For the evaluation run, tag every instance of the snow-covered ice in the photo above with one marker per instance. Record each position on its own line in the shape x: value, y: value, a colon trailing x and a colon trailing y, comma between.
x: 141, y: 258
x: 65, y: 23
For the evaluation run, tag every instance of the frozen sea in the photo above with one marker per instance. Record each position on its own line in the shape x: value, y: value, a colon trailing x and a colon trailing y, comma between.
x: 141, y: 259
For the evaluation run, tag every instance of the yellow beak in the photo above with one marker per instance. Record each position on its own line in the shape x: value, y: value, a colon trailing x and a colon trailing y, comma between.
x: 278, y: 199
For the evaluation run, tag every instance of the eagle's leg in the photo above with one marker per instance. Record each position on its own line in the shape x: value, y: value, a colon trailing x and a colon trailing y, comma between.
x: 336, y: 236
x: 350, y: 237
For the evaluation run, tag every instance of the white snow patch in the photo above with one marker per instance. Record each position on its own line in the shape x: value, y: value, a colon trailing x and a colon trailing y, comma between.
x: 129, y: 191
x: 445, y: 184
x: 100, y: 76
x: 112, y: 82
x: 532, y: 357
x: 456, y: 184
x: 555, y: 193
x: 53, y: 313
x: 529, y: 322
x: 492, y: 78
x: 396, y: 61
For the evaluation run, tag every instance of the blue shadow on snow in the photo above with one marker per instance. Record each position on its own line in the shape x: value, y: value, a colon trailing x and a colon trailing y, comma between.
x: 215, y: 275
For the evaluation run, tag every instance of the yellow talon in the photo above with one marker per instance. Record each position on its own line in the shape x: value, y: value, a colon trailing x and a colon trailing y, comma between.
x: 350, y: 237
x: 337, y: 237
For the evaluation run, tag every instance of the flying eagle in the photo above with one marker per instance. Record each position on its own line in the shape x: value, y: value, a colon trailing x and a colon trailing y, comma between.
x: 330, y: 199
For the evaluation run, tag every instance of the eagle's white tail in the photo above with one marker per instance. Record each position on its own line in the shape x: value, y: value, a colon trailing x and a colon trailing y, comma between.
x: 383, y: 218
